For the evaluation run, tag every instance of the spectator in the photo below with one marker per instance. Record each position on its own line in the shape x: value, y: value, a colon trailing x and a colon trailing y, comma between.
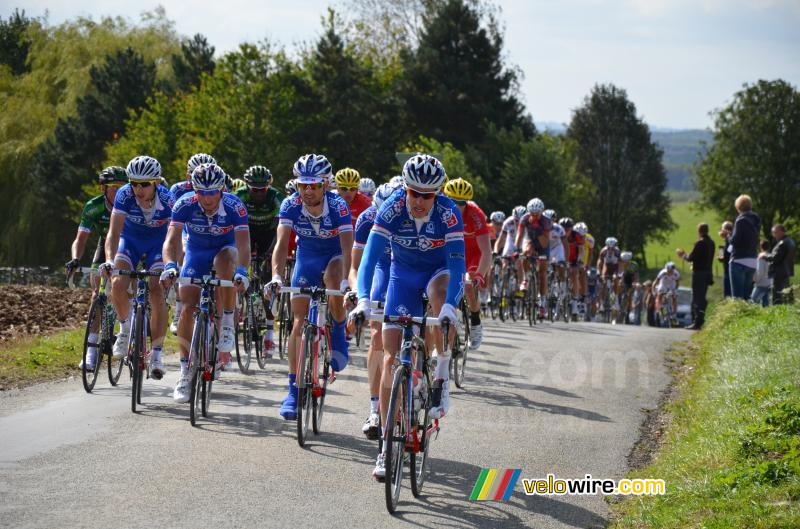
x: 702, y: 258
x: 724, y: 256
x: 781, y: 262
x: 650, y: 303
x: 761, y: 280
x: 744, y: 245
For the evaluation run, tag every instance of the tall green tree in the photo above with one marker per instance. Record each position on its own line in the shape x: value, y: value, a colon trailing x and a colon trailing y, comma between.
x: 623, y: 165
x: 195, y: 59
x: 455, y: 80
x: 756, y: 150
x: 14, y: 43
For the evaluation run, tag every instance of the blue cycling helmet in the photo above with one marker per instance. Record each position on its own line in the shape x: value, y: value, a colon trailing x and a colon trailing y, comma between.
x: 208, y: 177
x: 424, y: 172
x: 143, y: 169
x: 383, y: 192
x: 312, y: 168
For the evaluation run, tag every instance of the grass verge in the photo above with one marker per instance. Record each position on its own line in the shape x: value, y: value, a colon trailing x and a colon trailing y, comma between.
x: 731, y: 456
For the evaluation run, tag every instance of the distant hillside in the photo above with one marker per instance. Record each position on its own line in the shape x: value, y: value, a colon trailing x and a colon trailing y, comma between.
x: 681, y: 149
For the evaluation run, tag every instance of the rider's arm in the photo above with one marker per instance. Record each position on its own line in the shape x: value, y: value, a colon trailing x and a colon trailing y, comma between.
x: 486, y: 254
x: 279, y: 255
x: 344, y: 222
x: 498, y: 244
x: 242, y: 238
x: 241, y: 230
x: 355, y: 260
x: 114, y: 231
x: 520, y: 233
x: 172, y: 244
x: 376, y: 245
x: 79, y: 244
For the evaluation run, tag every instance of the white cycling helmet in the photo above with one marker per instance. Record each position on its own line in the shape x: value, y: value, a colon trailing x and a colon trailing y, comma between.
x: 611, y: 241
x: 291, y: 188
x: 535, y: 205
x: 208, y: 177
x: 626, y: 256
x: 367, y: 186
x: 550, y: 214
x: 198, y: 159
x: 518, y: 212
x: 670, y: 265
x: 143, y: 168
x: 424, y: 172
x: 312, y: 168
x: 396, y: 181
x: 383, y: 192
x: 497, y: 216
x: 581, y: 228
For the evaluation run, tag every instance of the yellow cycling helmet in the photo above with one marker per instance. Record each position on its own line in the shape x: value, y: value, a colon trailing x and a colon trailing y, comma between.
x: 458, y: 189
x: 237, y: 184
x: 347, y: 178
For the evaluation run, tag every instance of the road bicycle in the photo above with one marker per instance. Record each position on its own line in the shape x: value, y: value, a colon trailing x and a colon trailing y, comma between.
x: 251, y: 321
x: 509, y: 306
x: 285, y: 318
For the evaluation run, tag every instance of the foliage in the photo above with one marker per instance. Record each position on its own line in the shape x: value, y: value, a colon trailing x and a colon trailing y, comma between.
x: 756, y: 151
x: 616, y: 154
x: 14, y: 43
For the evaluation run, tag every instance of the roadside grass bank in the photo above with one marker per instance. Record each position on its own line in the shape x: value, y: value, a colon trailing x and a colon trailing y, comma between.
x: 730, y: 457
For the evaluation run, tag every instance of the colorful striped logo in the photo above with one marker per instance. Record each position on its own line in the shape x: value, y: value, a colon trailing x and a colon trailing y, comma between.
x: 495, y: 484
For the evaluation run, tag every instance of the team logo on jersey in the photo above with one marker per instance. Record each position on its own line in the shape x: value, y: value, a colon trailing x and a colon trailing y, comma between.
x: 326, y: 221
x: 406, y: 224
x: 159, y: 222
x: 429, y: 230
x: 220, y: 230
x: 448, y: 218
x: 327, y: 234
x: 426, y: 244
x: 241, y: 210
x: 302, y: 281
x: 402, y: 310
x: 295, y: 200
x: 343, y: 210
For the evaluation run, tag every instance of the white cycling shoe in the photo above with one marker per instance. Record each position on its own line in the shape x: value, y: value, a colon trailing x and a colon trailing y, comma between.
x: 121, y: 345
x: 379, y: 472
x: 441, y: 398
x: 181, y: 393
x: 92, y: 359
x: 475, y: 337
x: 227, y: 339
x: 157, y: 368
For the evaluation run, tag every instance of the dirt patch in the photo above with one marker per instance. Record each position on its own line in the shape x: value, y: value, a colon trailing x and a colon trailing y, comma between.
x: 27, y: 311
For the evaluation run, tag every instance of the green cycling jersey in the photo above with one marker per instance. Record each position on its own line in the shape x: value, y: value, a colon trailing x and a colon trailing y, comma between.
x: 262, y: 215
x: 95, y: 216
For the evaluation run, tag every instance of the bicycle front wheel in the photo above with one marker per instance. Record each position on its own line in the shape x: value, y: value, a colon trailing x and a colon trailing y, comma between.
x: 108, y: 333
x: 137, y: 360
x: 244, y: 335
x: 196, y: 368
x: 305, y: 378
x: 419, y: 469
x: 324, y: 367
x: 95, y: 319
x: 396, y: 438
x: 211, y: 372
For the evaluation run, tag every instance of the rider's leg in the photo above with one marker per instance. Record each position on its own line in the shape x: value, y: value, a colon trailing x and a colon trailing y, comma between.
x: 340, y: 355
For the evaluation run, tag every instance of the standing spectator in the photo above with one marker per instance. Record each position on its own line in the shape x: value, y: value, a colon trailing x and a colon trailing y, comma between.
x: 744, y: 245
x: 761, y: 280
x: 782, y: 262
x: 724, y: 256
x: 702, y: 257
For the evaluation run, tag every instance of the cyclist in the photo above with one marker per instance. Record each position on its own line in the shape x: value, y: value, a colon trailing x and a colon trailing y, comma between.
x: 427, y: 241
x: 588, y: 248
x: 321, y: 221
x: 178, y: 190
x: 136, y: 232
x: 347, y: 182
x: 557, y: 245
x: 237, y: 184
x: 575, y: 248
x: 629, y: 274
x: 592, y: 278
x: 505, y: 240
x: 607, y: 265
x: 667, y: 280
x: 367, y: 187
x: 537, y: 228
x: 291, y: 189
x: 219, y: 238
x: 96, y: 215
x: 478, y: 251
x: 380, y: 281
x: 263, y: 203
x: 496, y: 220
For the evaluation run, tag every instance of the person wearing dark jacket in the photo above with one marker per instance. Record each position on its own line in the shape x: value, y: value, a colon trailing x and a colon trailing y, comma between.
x: 744, y: 248
x: 781, y: 260
x: 702, y: 257
x: 724, y: 256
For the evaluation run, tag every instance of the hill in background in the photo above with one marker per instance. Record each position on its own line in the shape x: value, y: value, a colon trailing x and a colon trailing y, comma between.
x: 682, y: 148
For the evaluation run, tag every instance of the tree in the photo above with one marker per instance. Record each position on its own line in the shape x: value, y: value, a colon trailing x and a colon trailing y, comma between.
x: 756, y: 150
x: 615, y: 153
x: 14, y: 44
x: 455, y: 81
x: 196, y: 58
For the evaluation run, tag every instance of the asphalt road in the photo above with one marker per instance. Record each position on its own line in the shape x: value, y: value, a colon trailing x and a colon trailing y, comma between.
x: 561, y: 399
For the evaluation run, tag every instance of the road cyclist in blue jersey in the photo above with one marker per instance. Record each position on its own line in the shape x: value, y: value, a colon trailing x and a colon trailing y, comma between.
x: 322, y: 224
x: 219, y: 239
x: 380, y: 282
x: 138, y: 226
x: 178, y: 190
x: 426, y: 234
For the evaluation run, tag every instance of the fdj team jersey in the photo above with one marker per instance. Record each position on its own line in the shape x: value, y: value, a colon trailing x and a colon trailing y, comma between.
x: 181, y: 188
x: 262, y: 215
x: 210, y: 231
x: 95, y: 216
x: 143, y: 224
x: 317, y: 234
x: 363, y: 227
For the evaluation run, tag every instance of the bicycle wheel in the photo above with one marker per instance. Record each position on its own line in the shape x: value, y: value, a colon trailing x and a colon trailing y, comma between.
x: 502, y: 300
x: 137, y: 360
x: 283, y: 322
x: 418, y: 470
x: 196, y: 367
x: 396, y: 437
x: 324, y: 367
x: 211, y: 373
x: 96, y: 312
x: 458, y: 361
x: 245, y: 332
x: 108, y: 335
x: 305, y: 387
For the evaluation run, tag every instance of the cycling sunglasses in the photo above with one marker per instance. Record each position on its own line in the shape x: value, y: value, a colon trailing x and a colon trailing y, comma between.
x: 146, y: 183
x: 207, y: 192
x: 418, y: 194
x: 345, y: 189
x: 313, y: 187
x: 258, y: 189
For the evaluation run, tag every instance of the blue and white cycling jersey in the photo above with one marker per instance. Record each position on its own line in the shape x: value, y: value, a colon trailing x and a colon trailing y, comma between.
x: 363, y: 227
x: 214, y: 231
x: 317, y: 235
x: 428, y: 245
x: 141, y: 225
x: 181, y: 188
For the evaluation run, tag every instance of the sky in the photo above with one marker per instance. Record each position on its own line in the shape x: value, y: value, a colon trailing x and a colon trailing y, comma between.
x: 678, y: 59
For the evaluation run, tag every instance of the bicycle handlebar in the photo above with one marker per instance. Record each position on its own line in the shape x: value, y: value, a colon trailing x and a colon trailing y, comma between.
x: 314, y: 291
x: 406, y: 320
x: 205, y: 281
